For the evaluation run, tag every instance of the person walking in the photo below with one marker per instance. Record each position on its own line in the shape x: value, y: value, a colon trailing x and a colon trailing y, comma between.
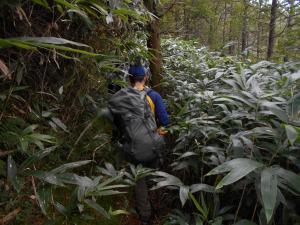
x: 140, y: 116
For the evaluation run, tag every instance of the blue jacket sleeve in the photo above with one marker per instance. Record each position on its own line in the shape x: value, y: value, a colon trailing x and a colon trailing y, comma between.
x: 160, y: 108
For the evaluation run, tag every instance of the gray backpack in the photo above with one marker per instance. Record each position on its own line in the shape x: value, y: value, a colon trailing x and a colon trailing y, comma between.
x: 136, y: 124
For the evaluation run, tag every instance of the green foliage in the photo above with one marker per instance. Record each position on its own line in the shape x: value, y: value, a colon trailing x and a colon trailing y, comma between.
x: 268, y: 191
x: 52, y: 86
x: 220, y: 23
x: 238, y: 168
x: 228, y: 115
x: 236, y: 118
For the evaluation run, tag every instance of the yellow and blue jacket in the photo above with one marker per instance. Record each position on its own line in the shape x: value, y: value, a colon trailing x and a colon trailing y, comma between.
x: 158, y: 107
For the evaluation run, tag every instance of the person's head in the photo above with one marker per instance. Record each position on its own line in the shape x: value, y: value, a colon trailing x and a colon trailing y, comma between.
x: 137, y: 74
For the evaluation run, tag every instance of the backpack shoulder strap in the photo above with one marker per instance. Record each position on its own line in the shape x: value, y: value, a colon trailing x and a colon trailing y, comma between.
x: 151, y: 104
x: 149, y: 99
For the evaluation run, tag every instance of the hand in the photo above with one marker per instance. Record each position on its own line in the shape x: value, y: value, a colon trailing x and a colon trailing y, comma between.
x: 162, y: 131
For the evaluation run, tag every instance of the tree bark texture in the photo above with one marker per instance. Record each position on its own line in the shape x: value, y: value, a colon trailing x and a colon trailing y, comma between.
x: 186, y: 23
x: 259, y: 30
x: 153, y: 44
x: 289, y: 25
x: 224, y: 24
x: 272, y: 26
x: 291, y: 14
x: 232, y: 46
x: 245, y: 26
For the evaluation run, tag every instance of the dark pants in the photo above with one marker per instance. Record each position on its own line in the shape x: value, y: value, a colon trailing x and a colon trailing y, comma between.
x: 142, y: 200
x: 141, y: 193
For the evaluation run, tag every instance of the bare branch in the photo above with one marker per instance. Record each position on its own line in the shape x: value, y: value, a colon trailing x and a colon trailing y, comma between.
x: 5, y: 153
x: 10, y: 216
x: 168, y: 8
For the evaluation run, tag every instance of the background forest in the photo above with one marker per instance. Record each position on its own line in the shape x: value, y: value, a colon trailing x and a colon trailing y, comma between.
x: 229, y: 72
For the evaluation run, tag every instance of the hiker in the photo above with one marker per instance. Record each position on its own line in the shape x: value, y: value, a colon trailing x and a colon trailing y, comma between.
x: 140, y: 115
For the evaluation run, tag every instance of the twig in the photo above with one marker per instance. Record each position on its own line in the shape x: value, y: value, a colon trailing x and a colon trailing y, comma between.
x: 168, y: 8
x: 80, y: 136
x: 34, y: 189
x: 99, y: 147
x: 240, y: 204
x: 10, y: 216
x: 5, y: 153
x: 6, y: 102
x: 254, y: 211
x: 83, y: 132
x: 21, y: 13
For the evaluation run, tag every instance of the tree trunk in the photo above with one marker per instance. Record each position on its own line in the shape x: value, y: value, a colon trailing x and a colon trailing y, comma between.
x: 272, y: 27
x: 177, y: 21
x: 232, y: 47
x: 289, y: 25
x: 245, y: 26
x: 186, y: 23
x: 213, y: 22
x: 291, y: 14
x: 153, y: 44
x: 224, y: 24
x: 259, y: 30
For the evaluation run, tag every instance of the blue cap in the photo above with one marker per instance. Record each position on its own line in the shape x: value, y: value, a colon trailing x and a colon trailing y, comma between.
x: 137, y: 71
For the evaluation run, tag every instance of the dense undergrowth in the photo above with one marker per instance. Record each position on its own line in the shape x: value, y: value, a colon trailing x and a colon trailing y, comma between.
x: 238, y: 117
x: 51, y: 139
x: 57, y: 162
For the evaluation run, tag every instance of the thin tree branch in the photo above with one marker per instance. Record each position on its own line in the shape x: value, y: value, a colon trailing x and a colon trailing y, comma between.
x: 168, y: 8
x: 5, y: 153
x: 285, y: 27
x: 10, y: 216
x: 240, y: 204
x: 291, y: 16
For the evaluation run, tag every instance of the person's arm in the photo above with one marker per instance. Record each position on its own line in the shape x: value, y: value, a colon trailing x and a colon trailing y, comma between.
x: 161, y: 113
x: 160, y: 110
